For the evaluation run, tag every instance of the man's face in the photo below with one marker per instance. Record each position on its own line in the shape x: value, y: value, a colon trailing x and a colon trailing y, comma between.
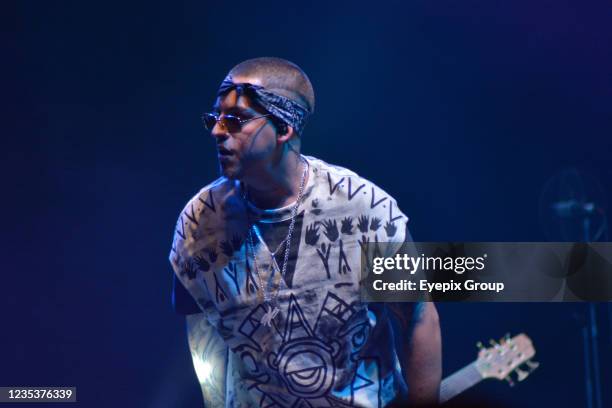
x: 246, y: 152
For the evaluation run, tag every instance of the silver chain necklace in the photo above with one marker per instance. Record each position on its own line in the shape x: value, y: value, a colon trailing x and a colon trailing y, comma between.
x: 260, y: 238
x: 269, y: 299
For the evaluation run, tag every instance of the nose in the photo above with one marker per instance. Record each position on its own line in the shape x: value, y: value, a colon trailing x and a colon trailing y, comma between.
x: 219, y: 132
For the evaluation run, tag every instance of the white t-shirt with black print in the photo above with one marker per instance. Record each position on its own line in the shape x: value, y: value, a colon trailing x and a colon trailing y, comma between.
x: 325, y: 348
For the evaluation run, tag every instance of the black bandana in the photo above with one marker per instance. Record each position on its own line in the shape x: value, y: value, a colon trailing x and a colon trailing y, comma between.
x: 285, y: 109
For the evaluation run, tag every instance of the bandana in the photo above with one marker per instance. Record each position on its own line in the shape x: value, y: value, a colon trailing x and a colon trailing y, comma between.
x: 285, y: 109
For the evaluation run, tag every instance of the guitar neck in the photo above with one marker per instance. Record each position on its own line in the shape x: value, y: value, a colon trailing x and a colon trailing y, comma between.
x: 459, y: 381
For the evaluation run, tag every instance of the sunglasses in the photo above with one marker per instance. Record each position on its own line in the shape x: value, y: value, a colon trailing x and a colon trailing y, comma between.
x: 231, y: 123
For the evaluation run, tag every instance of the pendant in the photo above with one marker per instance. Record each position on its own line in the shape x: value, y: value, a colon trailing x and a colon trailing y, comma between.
x: 271, y: 313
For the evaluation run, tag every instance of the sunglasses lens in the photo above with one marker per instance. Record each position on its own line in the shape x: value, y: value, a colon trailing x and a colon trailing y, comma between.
x: 231, y: 123
x: 209, y: 120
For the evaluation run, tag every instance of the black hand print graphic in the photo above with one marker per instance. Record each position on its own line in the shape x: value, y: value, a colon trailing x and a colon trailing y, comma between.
x: 362, y: 223
x: 312, y: 237
x: 312, y: 234
x: 391, y: 228
x: 375, y: 225
x: 190, y: 270
x: 202, y: 263
x: 347, y: 226
x: 331, y: 230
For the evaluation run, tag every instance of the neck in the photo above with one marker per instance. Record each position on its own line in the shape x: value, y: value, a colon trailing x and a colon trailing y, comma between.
x: 278, y: 183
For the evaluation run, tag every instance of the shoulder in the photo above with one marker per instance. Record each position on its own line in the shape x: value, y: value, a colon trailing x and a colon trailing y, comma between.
x: 344, y: 184
x: 206, y: 203
x: 344, y: 193
x: 202, y: 212
x: 321, y: 165
x: 198, y: 217
x: 208, y: 200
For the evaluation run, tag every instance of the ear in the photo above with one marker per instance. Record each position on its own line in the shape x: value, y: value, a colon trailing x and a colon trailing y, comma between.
x: 284, y: 137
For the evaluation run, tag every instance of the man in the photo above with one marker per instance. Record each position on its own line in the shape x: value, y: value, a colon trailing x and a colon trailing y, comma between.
x: 267, y: 259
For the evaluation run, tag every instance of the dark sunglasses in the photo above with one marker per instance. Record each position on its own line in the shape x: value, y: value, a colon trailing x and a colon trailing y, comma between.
x: 231, y: 123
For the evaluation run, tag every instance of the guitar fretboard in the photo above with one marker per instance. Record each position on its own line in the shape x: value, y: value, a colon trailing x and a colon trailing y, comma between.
x: 459, y: 381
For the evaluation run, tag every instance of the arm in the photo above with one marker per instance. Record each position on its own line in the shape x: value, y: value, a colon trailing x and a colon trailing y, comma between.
x: 208, y: 350
x: 420, y: 350
x: 424, y: 357
x: 209, y: 355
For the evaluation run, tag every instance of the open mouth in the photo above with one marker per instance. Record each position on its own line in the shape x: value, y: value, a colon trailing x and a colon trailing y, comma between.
x: 223, y: 151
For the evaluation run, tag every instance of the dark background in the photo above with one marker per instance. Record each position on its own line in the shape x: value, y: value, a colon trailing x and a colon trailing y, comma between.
x: 461, y: 110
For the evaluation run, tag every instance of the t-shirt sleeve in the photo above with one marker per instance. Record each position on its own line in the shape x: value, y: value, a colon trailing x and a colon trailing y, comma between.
x: 397, y: 235
x: 182, y: 301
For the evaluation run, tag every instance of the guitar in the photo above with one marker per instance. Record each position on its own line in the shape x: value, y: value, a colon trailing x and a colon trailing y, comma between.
x: 498, y: 361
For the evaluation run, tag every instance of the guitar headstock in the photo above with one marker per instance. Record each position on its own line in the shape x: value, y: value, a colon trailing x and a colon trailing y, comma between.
x: 503, y: 358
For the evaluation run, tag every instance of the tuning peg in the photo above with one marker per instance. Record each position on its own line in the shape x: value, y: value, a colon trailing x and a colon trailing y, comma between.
x: 509, y: 381
x: 532, y: 365
x: 521, y: 375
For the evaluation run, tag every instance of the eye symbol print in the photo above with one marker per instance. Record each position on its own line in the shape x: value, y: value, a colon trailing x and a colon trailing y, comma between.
x: 307, y: 366
x: 310, y: 376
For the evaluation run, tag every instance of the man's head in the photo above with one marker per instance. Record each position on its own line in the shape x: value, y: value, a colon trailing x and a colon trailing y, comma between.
x: 278, y: 76
x: 272, y: 98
